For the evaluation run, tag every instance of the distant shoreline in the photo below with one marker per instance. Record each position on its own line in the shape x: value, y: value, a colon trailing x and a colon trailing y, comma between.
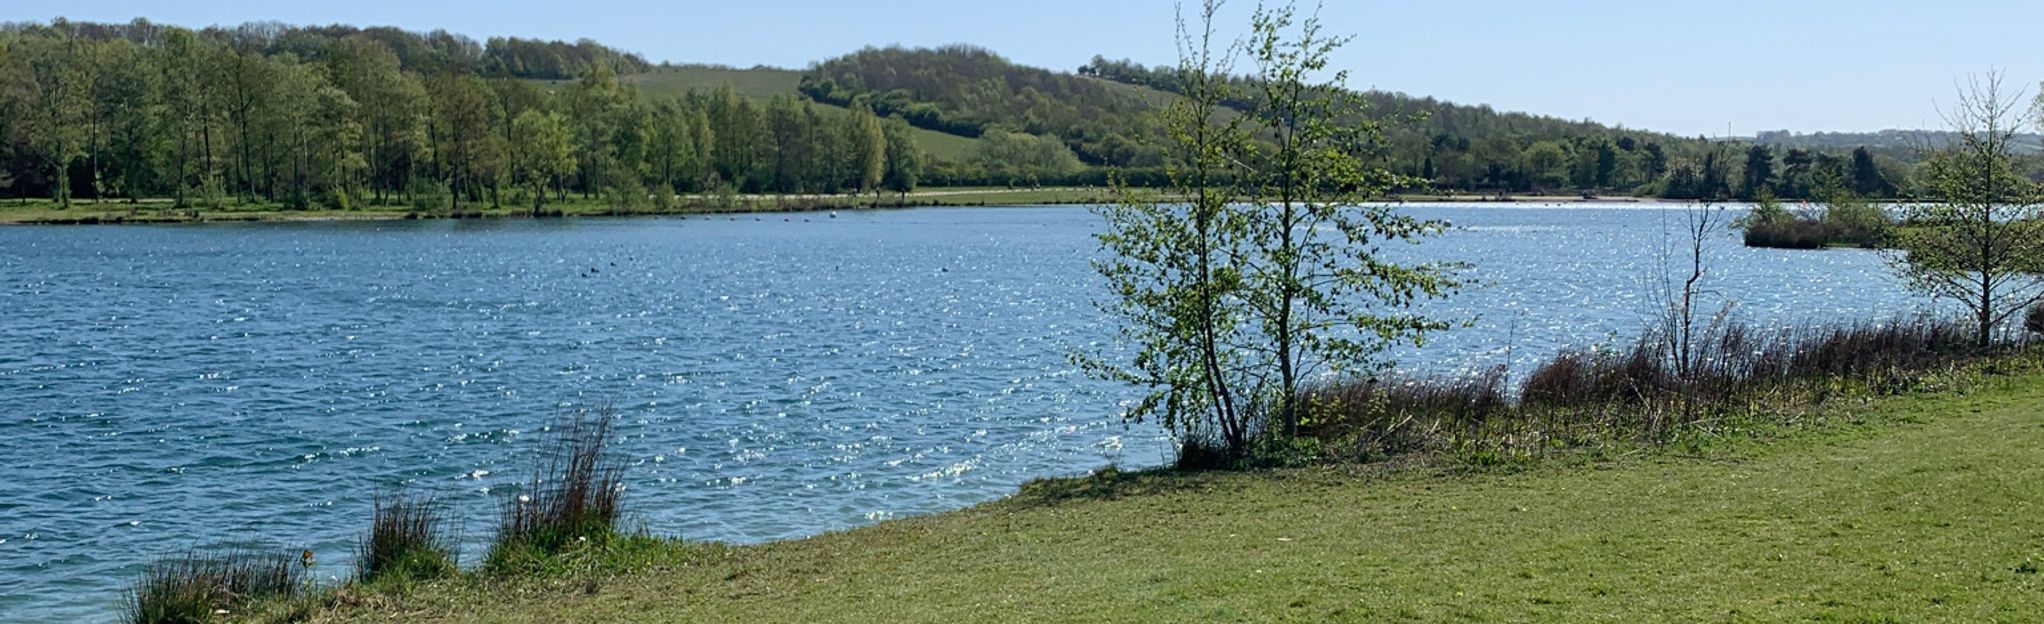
x: 160, y: 212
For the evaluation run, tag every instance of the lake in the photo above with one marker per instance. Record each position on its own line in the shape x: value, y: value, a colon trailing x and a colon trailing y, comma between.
x: 173, y: 387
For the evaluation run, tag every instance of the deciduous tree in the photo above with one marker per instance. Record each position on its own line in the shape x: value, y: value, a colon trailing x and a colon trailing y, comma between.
x: 1978, y: 240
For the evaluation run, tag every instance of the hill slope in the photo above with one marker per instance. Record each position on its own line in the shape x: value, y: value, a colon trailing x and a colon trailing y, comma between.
x: 765, y: 83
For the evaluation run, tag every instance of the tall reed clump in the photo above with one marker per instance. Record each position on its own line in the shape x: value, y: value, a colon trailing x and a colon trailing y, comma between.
x: 192, y: 588
x: 1383, y: 417
x: 409, y: 540
x: 572, y: 498
x: 1643, y: 391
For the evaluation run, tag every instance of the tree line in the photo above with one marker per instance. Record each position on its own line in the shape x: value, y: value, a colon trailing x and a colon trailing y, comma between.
x: 1477, y: 149
x: 338, y: 116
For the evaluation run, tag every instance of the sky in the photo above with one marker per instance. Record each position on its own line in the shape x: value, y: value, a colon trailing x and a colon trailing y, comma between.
x: 1693, y: 68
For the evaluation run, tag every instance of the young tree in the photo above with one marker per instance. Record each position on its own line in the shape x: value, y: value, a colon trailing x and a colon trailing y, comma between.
x: 704, y: 173
x: 1170, y: 264
x: 331, y: 145
x: 904, y: 159
x: 593, y: 105
x: 740, y: 134
x: 542, y: 153
x: 128, y: 104
x: 1679, y: 287
x: 869, y: 149
x: 389, y: 104
x: 1978, y: 240
x: 58, y: 107
x: 671, y: 150
x: 790, y: 145
x: 463, y: 142
x: 1322, y: 296
x: 249, y: 81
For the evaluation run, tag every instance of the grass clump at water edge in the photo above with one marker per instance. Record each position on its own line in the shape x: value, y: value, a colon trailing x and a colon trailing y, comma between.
x: 572, y: 500
x: 409, y: 540
x: 194, y: 587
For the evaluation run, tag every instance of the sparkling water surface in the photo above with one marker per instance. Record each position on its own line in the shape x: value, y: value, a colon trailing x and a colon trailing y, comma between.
x: 165, y: 388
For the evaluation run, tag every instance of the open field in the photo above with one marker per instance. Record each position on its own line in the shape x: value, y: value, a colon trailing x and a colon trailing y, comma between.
x: 1915, y: 508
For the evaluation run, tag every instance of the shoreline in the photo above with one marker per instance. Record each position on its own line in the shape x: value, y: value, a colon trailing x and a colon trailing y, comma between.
x: 158, y: 212
x: 1473, y: 542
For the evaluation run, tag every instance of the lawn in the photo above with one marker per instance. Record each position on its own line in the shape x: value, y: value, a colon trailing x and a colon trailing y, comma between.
x: 1918, y: 508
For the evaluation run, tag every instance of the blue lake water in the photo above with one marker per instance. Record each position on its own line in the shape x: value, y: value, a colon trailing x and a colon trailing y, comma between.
x: 164, y: 388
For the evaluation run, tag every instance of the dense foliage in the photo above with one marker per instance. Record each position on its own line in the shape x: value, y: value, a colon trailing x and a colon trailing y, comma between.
x: 336, y: 116
x: 969, y: 91
x: 1478, y: 149
x: 1270, y: 269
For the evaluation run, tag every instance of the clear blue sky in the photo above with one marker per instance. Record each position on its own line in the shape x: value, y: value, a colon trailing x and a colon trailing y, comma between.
x: 1687, y: 67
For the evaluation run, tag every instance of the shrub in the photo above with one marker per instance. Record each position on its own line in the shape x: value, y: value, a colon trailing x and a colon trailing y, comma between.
x: 408, y: 541
x: 190, y: 588
x: 1794, y: 233
x: 1852, y: 221
x: 573, y: 496
x: 1847, y: 220
x: 2033, y: 319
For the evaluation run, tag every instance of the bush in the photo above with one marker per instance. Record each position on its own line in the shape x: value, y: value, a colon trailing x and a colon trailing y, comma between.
x: 1846, y: 221
x: 190, y: 588
x: 2033, y: 319
x: 408, y: 541
x: 1795, y: 233
x: 572, y: 498
x: 1852, y: 221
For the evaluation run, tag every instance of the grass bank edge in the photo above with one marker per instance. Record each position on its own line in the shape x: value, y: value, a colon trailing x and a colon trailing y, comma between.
x: 1854, y: 413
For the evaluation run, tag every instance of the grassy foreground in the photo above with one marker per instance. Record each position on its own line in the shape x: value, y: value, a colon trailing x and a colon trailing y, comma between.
x: 1917, y: 508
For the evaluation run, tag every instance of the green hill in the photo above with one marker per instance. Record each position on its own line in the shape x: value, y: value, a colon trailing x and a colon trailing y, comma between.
x: 764, y: 83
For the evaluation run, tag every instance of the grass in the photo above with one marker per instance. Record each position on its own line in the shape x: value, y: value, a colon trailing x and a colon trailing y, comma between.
x: 409, y: 541
x: 193, y: 588
x: 573, y: 498
x: 1918, y: 507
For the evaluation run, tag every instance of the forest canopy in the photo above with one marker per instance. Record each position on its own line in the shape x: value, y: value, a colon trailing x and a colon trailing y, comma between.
x: 337, y: 116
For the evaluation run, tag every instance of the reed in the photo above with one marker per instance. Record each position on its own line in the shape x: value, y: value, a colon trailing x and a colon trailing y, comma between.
x: 193, y: 588
x: 1646, y: 389
x: 409, y: 540
x: 572, y: 498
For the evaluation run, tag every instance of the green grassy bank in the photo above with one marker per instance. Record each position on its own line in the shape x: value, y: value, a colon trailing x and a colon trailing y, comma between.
x: 1919, y: 508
